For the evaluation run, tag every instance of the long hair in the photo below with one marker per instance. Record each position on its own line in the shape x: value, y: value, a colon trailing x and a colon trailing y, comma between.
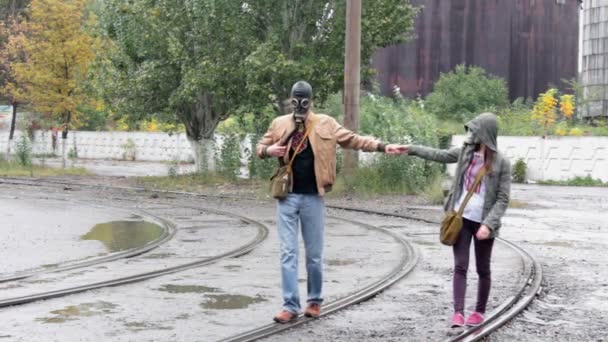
x: 488, y: 158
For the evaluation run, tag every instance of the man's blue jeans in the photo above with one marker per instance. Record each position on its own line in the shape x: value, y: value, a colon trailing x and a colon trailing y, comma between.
x: 309, y: 212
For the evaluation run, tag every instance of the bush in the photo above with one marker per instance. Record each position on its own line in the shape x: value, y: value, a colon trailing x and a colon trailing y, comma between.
x: 173, y: 167
x: 23, y: 151
x: 228, y: 158
x: 577, y: 181
x: 465, y: 92
x: 129, y: 150
x: 516, y: 120
x: 396, y: 122
x: 519, y: 171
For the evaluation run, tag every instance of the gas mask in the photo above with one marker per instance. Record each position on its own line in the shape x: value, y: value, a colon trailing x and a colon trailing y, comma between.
x: 472, y: 138
x: 301, y: 100
x: 300, y: 108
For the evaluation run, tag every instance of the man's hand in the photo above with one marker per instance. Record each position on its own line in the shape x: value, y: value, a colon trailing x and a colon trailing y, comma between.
x: 396, y: 149
x: 483, y: 232
x: 276, y: 150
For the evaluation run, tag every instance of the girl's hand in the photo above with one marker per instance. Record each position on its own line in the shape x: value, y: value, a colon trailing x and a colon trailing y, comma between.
x: 483, y: 232
x: 396, y: 149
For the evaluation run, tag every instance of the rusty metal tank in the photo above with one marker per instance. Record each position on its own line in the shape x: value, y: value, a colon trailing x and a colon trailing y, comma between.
x: 530, y: 43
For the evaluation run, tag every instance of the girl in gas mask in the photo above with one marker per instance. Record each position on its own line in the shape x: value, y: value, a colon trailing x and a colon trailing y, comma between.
x: 482, y: 215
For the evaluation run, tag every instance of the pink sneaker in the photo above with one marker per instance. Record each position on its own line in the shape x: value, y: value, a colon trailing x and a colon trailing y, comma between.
x: 475, y: 320
x: 457, y: 320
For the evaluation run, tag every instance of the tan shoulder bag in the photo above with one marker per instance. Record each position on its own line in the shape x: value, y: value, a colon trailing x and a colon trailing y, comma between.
x: 281, y: 182
x: 452, y: 222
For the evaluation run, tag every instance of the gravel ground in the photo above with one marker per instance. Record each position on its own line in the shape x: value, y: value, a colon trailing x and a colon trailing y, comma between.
x: 416, y: 308
x: 563, y: 227
x: 55, y: 226
x: 203, y: 304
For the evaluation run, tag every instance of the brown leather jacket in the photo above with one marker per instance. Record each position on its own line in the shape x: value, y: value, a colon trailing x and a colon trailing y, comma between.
x: 325, y: 135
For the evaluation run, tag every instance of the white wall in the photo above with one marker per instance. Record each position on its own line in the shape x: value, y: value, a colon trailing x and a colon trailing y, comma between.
x: 149, y: 146
x: 555, y: 158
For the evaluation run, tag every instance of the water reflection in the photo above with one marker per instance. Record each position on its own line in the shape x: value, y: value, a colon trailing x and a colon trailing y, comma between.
x: 230, y: 302
x: 74, y: 312
x: 124, y: 235
x: 187, y: 289
x: 339, y: 262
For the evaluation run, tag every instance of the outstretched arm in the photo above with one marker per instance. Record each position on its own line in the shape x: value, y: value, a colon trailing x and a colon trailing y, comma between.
x: 352, y: 141
x: 434, y: 154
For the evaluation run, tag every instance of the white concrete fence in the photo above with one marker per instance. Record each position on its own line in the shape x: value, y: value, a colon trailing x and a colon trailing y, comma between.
x: 553, y: 158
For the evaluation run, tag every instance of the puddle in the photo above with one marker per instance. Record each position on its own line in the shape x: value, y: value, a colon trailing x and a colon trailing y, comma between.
x: 183, y: 316
x: 74, y: 312
x: 11, y: 286
x: 123, y: 235
x: 230, y: 302
x: 425, y: 243
x: 39, y: 281
x: 557, y: 244
x: 159, y: 256
x: 340, y: 262
x: 187, y: 289
x: 232, y: 267
x: 139, y: 326
x: 191, y: 240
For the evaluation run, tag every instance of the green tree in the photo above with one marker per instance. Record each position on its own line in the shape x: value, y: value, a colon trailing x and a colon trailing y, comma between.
x: 199, y: 61
x: 305, y: 40
x: 465, y: 92
x: 176, y: 60
x: 12, y: 8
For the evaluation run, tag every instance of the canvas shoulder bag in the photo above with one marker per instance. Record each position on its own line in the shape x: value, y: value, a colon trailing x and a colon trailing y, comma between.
x: 452, y: 222
x: 281, y: 182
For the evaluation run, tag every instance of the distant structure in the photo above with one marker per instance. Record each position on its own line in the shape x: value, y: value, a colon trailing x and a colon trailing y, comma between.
x: 530, y: 43
x: 593, y: 63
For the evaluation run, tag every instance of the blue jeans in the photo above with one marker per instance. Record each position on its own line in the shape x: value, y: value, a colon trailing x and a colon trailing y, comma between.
x: 309, y: 212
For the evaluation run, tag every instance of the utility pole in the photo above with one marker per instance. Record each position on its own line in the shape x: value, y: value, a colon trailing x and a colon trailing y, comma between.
x: 352, y: 78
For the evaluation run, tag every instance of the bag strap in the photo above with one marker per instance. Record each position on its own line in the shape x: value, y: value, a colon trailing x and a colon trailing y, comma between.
x: 295, y: 153
x: 480, y: 175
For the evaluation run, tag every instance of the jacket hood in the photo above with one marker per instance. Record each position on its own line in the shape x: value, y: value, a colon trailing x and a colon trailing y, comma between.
x: 485, y: 127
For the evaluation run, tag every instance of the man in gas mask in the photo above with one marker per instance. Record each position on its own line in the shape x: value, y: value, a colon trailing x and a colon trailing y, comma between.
x: 315, y: 136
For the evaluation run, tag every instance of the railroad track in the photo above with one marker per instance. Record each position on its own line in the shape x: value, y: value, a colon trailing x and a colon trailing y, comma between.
x: 168, y: 233
x: 529, y: 288
x: 262, y: 233
x: 408, y: 261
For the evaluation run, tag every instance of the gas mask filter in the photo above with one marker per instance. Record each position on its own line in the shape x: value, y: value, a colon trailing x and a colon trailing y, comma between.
x: 300, y: 108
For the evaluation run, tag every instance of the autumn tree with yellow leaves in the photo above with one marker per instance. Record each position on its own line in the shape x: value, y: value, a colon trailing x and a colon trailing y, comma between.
x: 566, y: 106
x: 545, y: 111
x: 59, y: 53
x: 11, y: 53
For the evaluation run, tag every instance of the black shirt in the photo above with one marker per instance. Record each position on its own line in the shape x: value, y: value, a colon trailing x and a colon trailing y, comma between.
x: 304, y: 180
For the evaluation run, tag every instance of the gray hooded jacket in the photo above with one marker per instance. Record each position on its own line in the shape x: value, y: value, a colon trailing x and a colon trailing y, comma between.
x: 483, y: 129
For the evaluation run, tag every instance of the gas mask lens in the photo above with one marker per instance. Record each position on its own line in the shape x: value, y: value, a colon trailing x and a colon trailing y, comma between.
x: 300, y: 103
